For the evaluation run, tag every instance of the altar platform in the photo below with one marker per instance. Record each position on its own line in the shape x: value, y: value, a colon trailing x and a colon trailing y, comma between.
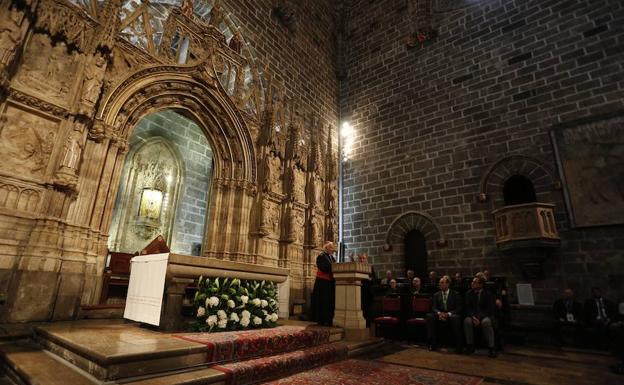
x: 115, y: 351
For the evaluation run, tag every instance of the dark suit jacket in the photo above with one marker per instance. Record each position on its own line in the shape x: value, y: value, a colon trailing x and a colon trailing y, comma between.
x: 324, y: 262
x: 453, y: 303
x: 591, y: 309
x: 480, y: 309
x: 560, y: 311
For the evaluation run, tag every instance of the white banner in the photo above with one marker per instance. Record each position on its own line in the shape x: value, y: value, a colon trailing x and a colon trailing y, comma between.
x: 146, y: 288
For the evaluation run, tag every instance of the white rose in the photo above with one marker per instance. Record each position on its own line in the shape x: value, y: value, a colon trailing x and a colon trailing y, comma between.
x: 211, y: 320
x: 231, y: 304
x: 201, y: 311
x: 244, y: 299
x: 221, y: 314
x: 257, y: 320
x: 274, y: 317
x: 212, y: 301
x: 222, y: 323
x: 234, y: 317
x: 267, y: 317
x: 246, y: 314
x: 255, y: 302
x: 265, y: 312
x: 244, y: 322
x: 264, y: 303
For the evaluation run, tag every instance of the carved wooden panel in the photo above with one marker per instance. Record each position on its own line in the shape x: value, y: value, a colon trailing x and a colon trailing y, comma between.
x: 26, y: 142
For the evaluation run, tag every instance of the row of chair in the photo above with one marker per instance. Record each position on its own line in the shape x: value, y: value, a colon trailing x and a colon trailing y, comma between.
x: 391, y: 310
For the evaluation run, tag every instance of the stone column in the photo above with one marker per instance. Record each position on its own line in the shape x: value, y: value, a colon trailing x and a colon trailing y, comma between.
x: 348, y: 313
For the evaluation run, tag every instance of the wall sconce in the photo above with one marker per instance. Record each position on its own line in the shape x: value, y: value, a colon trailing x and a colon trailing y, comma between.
x: 346, y: 132
x: 151, y: 204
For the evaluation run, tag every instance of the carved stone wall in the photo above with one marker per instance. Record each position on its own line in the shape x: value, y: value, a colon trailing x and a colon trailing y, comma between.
x: 66, y: 121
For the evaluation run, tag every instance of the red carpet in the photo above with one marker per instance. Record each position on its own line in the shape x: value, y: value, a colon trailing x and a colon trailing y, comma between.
x: 357, y: 372
x: 242, y: 345
x: 266, y: 368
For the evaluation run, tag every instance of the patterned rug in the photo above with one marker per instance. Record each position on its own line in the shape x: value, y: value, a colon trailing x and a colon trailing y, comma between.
x: 266, y: 368
x: 358, y: 372
x: 243, y: 345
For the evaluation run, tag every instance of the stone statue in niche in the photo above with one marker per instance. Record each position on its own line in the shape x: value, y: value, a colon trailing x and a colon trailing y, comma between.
x: 26, y: 142
x: 265, y: 220
x: 299, y: 227
x: 10, y: 36
x: 299, y: 185
x: 216, y: 14
x: 72, y: 152
x: 92, y: 83
x: 275, y: 174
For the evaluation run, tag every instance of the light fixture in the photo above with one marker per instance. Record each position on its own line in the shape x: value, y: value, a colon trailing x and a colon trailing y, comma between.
x: 347, y: 134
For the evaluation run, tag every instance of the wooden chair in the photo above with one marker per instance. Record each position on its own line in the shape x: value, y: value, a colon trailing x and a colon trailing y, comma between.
x: 115, y: 278
x: 389, y: 321
x: 420, y: 307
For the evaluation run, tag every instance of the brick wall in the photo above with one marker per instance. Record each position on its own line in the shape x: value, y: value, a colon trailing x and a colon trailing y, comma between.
x: 429, y: 121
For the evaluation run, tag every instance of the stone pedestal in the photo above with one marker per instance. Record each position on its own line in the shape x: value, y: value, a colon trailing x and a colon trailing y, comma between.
x: 348, y: 313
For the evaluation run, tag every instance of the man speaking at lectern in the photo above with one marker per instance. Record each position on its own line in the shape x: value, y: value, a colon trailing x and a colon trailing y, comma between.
x: 324, y: 293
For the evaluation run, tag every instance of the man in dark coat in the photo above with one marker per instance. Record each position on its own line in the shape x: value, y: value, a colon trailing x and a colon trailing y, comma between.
x: 479, y: 313
x: 568, y: 314
x: 599, y: 313
x: 446, y: 307
x: 324, y: 292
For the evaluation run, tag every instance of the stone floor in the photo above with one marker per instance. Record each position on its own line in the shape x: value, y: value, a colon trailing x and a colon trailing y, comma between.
x: 517, y: 366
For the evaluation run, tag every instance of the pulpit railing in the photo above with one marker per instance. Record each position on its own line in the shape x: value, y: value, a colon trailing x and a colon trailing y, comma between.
x: 526, y: 225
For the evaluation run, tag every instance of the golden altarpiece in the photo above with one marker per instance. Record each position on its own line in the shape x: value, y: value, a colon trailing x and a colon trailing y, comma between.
x: 75, y: 79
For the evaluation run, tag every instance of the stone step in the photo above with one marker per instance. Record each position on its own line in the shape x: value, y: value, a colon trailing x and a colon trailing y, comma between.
x: 24, y: 362
x: 195, y: 377
x: 112, y: 350
x: 360, y: 348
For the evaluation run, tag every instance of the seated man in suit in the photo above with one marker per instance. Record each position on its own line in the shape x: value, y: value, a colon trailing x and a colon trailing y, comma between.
x: 568, y: 314
x: 446, y: 307
x: 616, y: 336
x: 479, y: 313
x: 599, y: 313
x: 393, y: 289
x: 416, y: 288
x: 431, y: 285
x: 386, y: 281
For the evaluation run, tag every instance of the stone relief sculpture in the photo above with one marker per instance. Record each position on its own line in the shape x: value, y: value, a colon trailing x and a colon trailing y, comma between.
x: 92, y: 83
x: 47, y: 69
x: 26, y: 142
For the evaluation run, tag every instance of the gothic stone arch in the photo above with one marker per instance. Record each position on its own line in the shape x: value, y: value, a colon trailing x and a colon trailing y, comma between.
x: 398, y: 229
x: 193, y: 91
x: 543, y: 178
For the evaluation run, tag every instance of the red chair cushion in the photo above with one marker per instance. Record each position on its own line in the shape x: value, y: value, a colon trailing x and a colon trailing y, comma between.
x: 416, y: 321
x: 387, y: 320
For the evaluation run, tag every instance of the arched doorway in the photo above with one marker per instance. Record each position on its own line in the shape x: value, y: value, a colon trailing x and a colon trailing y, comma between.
x: 165, y: 185
x: 517, y: 190
x: 416, y: 253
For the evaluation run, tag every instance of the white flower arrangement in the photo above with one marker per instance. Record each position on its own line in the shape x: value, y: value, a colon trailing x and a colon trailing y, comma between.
x: 232, y: 304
